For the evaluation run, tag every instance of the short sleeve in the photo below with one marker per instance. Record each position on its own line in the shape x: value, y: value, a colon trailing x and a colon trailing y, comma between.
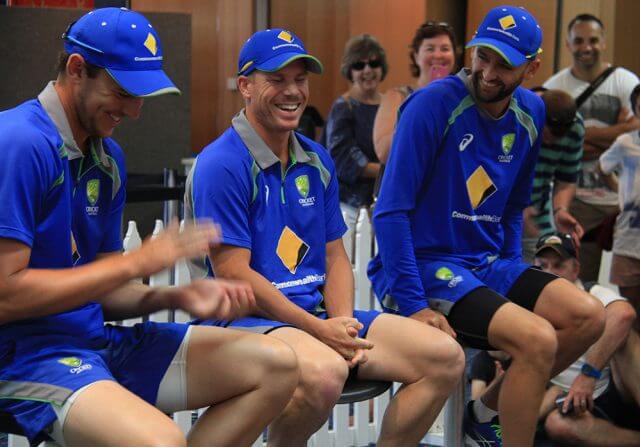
x: 30, y: 170
x: 611, y: 159
x: 222, y: 187
x: 334, y: 223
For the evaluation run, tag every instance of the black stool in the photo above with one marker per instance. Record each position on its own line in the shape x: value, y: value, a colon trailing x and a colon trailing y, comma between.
x: 359, y: 390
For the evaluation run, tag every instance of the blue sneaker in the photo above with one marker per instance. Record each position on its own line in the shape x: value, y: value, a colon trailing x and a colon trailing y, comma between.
x: 481, y: 434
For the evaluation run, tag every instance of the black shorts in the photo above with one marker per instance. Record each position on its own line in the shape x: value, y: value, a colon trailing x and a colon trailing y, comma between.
x: 471, y: 315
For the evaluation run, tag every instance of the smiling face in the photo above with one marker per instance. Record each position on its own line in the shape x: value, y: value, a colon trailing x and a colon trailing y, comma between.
x: 101, y: 105
x: 366, y: 79
x: 436, y: 51
x: 275, y: 101
x: 586, y: 43
x: 493, y: 78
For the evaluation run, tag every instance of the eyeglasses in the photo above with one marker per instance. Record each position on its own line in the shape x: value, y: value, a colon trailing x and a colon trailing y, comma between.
x: 431, y: 24
x: 375, y: 63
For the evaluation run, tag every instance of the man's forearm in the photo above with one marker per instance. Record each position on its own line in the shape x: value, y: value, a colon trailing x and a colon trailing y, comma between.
x: 615, y: 333
x: 33, y: 293
x: 563, y: 194
x: 134, y: 300
x: 339, y: 287
x: 603, y: 137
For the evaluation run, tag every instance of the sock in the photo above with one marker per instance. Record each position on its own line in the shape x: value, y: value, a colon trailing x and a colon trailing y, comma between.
x: 483, y: 413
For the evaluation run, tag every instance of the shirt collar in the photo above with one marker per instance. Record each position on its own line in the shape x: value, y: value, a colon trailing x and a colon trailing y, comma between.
x: 51, y: 104
x: 261, y: 153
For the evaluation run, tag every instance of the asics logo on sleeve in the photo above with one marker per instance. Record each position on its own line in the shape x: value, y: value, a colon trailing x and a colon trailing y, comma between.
x: 466, y: 140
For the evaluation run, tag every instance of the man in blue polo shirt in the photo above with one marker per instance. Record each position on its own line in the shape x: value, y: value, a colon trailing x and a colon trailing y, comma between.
x: 449, y: 225
x: 274, y: 194
x: 64, y: 374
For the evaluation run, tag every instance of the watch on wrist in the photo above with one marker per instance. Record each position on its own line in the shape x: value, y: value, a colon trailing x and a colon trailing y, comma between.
x: 591, y: 371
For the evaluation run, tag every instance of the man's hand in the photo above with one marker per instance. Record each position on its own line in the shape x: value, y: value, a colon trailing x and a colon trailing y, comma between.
x: 435, y: 319
x: 214, y: 298
x: 163, y: 250
x: 581, y: 394
x: 341, y: 334
x: 566, y: 223
x: 529, y: 226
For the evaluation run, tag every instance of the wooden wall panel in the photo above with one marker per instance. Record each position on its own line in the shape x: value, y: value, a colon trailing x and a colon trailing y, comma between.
x: 625, y: 35
x: 545, y: 12
x: 393, y: 23
x: 218, y: 30
x: 323, y: 27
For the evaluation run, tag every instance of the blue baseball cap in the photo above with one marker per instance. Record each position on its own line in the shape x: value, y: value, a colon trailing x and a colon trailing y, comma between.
x: 126, y: 45
x: 510, y: 31
x: 270, y: 50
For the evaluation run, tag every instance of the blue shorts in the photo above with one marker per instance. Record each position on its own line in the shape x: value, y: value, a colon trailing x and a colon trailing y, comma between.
x: 37, y: 372
x: 446, y: 283
x: 264, y: 325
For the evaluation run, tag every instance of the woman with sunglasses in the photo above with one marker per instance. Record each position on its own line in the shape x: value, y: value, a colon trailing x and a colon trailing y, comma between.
x: 432, y: 55
x: 349, y: 130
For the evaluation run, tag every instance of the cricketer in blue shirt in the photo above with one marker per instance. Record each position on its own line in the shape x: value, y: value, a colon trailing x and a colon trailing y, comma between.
x: 448, y: 222
x: 275, y: 195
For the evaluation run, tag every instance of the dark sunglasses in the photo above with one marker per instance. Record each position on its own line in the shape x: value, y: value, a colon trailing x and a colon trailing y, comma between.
x: 432, y: 24
x: 376, y: 63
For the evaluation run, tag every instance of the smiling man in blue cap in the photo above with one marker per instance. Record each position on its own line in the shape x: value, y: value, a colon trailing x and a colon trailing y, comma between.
x: 64, y: 374
x: 275, y: 195
x: 449, y: 224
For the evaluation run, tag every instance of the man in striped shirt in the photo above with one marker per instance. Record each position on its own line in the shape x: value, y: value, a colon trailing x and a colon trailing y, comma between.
x: 556, y: 173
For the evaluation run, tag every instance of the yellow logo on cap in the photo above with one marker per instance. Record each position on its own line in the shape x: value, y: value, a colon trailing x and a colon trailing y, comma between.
x: 151, y: 44
x: 507, y: 22
x: 286, y: 36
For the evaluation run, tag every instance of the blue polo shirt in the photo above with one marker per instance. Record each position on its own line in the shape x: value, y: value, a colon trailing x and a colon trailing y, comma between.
x: 285, y: 215
x: 65, y: 206
x: 455, y: 186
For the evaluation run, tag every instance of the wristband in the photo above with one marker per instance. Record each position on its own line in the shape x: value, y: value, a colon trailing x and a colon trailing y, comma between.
x: 591, y: 371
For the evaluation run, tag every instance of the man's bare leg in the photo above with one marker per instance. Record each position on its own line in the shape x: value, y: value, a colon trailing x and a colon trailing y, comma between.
x: 250, y: 378
x: 108, y: 415
x: 588, y: 431
x: 428, y: 362
x: 322, y: 375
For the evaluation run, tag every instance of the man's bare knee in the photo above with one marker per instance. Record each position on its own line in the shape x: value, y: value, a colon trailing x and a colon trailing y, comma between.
x: 322, y: 381
x: 589, y: 318
x: 167, y: 435
x: 537, y: 343
x: 561, y: 428
x: 449, y: 363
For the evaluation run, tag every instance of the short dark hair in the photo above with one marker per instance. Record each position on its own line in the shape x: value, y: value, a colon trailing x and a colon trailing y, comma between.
x: 584, y: 18
x: 634, y: 97
x: 426, y: 31
x: 560, y: 110
x: 61, y: 65
x: 363, y: 46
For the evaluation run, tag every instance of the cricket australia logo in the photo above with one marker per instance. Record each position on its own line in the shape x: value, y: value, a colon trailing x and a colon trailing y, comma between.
x: 93, y: 193
x: 302, y: 185
x: 507, y: 146
x: 445, y: 274
x: 75, y: 363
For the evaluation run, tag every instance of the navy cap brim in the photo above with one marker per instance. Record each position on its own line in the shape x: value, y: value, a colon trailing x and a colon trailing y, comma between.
x: 557, y: 248
x: 144, y: 84
x: 284, y: 59
x: 512, y: 56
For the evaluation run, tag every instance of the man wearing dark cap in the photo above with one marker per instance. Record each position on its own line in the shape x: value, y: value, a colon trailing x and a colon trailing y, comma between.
x: 275, y: 196
x: 449, y: 227
x: 594, y: 410
x: 64, y: 375
x: 556, y: 173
